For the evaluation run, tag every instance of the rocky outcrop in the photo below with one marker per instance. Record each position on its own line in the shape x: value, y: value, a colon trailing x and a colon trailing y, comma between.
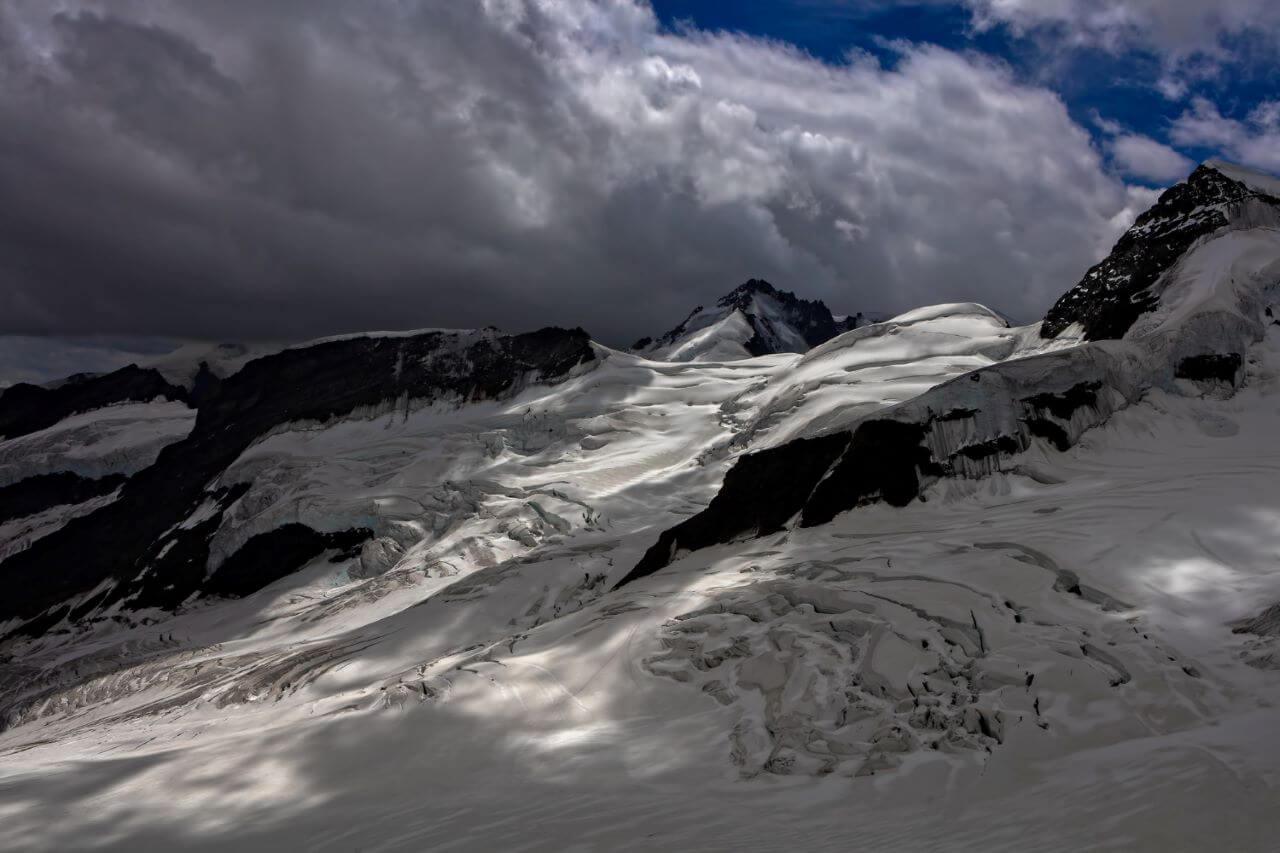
x: 1211, y: 367
x: 1265, y: 624
x: 810, y: 318
x: 1116, y: 292
x: 272, y: 555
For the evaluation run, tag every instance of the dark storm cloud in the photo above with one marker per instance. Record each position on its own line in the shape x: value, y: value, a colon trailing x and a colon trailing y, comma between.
x: 296, y: 169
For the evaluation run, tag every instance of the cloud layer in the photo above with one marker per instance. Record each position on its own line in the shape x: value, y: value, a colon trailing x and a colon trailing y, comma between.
x: 291, y: 169
x: 1178, y: 29
x: 1255, y: 141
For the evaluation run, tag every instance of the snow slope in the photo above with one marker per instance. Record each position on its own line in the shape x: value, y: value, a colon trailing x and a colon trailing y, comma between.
x: 1057, y: 640
x: 469, y: 724
x: 120, y: 439
x: 451, y: 490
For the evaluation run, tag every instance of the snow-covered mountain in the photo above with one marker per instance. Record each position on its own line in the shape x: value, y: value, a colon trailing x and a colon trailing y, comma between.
x: 753, y: 319
x: 930, y: 583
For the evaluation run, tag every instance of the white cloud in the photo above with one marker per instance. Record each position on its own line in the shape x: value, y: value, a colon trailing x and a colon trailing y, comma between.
x: 517, y: 162
x: 1172, y: 87
x: 1143, y: 157
x: 1178, y: 28
x: 1255, y: 141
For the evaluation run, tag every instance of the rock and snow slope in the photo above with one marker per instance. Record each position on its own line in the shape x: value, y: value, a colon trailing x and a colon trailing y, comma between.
x: 752, y: 320
x: 1043, y: 625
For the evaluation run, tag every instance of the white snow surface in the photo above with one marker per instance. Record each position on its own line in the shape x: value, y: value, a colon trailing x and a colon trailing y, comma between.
x: 119, y: 439
x: 716, y: 335
x: 1040, y: 658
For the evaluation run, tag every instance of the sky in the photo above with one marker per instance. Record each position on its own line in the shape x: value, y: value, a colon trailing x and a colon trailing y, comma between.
x: 248, y: 170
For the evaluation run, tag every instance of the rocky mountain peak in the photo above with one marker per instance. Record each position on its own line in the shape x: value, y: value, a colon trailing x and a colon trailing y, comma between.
x: 755, y: 318
x: 1121, y: 288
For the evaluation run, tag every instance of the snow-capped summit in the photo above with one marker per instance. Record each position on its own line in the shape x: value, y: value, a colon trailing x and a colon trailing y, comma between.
x: 754, y: 319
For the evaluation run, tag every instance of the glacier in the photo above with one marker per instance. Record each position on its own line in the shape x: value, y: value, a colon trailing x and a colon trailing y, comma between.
x: 933, y: 582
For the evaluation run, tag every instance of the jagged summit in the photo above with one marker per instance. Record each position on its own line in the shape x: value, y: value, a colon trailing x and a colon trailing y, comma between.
x: 1125, y: 285
x: 1252, y: 178
x: 742, y: 295
x: 753, y: 319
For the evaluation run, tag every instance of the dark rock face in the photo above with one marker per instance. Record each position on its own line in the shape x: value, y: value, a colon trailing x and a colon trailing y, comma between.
x: 1051, y: 432
x: 1114, y: 293
x: 884, y: 461
x: 1064, y: 405
x: 37, y: 494
x: 1265, y: 624
x: 123, y: 541
x: 808, y: 482
x: 27, y: 408
x: 810, y: 318
x: 813, y: 479
x: 270, y: 556
x: 204, y: 387
x: 1003, y: 444
x: 761, y: 493
x: 1211, y: 367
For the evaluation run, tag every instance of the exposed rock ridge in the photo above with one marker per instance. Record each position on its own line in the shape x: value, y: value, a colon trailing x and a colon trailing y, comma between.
x: 1119, y: 289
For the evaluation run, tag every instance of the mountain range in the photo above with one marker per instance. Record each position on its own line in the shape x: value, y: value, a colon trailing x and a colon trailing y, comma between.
x: 772, y: 577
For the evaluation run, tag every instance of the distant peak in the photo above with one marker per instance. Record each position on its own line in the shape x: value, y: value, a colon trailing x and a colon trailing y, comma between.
x: 750, y: 286
x: 740, y: 297
x: 755, y: 318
